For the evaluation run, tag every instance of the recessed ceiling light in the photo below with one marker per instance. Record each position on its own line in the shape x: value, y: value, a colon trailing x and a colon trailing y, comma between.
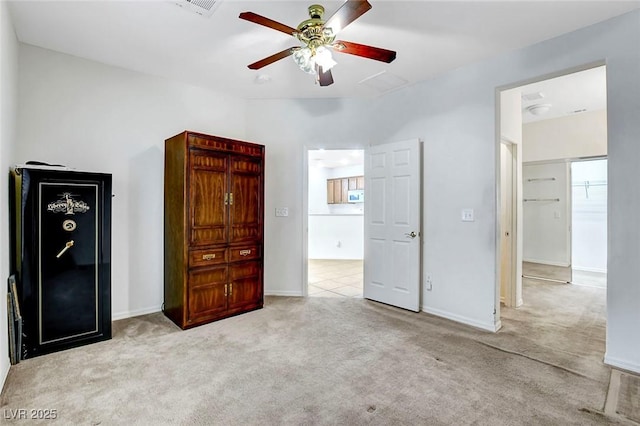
x: 539, y: 109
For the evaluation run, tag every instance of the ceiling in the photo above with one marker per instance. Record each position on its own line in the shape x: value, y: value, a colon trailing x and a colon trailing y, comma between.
x: 430, y: 37
x: 570, y: 94
x: 332, y: 158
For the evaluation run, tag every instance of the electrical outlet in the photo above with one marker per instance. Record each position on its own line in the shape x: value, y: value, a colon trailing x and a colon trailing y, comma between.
x: 428, y: 282
x: 282, y: 211
x: 467, y: 215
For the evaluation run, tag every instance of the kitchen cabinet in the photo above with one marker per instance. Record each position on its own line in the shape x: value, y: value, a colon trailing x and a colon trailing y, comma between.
x: 338, y: 188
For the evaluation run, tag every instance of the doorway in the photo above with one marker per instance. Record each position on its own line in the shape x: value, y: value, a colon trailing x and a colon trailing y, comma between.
x: 335, y: 223
x: 555, y: 124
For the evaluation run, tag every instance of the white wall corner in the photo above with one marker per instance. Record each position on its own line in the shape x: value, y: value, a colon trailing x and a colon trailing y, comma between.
x: 622, y: 364
x: 128, y: 314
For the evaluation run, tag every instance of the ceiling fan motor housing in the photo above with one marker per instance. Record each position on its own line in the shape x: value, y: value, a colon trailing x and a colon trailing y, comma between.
x: 312, y: 31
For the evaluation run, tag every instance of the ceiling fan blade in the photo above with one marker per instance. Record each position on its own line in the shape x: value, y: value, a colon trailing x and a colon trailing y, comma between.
x: 270, y: 23
x: 325, y: 78
x: 365, y: 51
x: 271, y: 59
x: 348, y: 12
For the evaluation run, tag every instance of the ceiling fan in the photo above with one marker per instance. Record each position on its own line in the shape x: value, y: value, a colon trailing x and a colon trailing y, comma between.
x: 318, y: 39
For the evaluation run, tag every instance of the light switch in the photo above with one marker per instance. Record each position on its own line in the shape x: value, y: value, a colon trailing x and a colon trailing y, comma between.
x: 556, y: 214
x: 282, y: 211
x: 467, y: 215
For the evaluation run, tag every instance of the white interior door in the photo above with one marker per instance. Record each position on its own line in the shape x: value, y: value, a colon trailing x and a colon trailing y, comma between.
x: 507, y: 293
x: 392, y: 224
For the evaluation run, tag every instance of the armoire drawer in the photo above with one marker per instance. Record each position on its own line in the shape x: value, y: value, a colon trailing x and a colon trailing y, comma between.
x: 204, y: 257
x: 245, y: 253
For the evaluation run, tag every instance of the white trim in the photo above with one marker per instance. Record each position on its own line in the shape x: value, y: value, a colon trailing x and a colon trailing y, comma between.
x: 546, y: 262
x: 288, y: 293
x: 587, y: 269
x: 135, y: 313
x: 619, y: 363
x: 462, y: 319
x: 304, y: 208
x: 5, y: 373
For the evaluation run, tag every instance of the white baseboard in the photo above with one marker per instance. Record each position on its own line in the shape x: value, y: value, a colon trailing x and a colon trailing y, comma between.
x: 622, y: 364
x: 547, y: 262
x: 5, y: 372
x: 135, y: 313
x: 586, y: 269
x: 290, y: 293
x: 464, y: 320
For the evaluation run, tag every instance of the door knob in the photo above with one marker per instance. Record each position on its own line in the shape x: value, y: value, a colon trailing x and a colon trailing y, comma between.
x: 412, y: 234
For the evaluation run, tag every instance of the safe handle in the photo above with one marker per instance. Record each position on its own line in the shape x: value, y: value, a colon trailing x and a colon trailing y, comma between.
x: 66, y: 247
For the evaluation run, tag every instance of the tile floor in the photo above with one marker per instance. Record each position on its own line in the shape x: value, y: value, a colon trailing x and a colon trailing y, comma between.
x: 335, y: 278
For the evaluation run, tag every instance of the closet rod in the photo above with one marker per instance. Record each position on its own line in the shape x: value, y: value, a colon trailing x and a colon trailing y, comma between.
x: 542, y: 199
x: 540, y: 179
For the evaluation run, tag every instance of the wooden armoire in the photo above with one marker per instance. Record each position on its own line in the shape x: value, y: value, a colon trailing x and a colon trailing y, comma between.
x: 213, y: 228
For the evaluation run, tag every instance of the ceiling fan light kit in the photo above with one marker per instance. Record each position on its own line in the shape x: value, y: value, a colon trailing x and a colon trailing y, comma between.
x: 318, y: 38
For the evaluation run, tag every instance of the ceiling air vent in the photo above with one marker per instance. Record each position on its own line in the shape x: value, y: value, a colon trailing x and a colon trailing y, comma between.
x: 536, y: 96
x: 384, y: 81
x: 201, y: 7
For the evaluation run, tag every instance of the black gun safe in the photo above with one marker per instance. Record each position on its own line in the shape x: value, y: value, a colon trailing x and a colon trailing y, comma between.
x: 61, y: 257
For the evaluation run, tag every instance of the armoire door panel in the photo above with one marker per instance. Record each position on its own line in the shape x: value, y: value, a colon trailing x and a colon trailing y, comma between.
x: 208, y: 199
x: 245, y: 217
x: 207, y: 292
x: 245, y: 284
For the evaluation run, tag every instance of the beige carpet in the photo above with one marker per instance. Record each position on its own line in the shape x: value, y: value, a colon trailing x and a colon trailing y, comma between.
x: 629, y: 401
x: 325, y: 361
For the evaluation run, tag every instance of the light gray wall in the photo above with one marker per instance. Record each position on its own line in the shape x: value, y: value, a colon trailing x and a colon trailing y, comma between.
x: 96, y: 117
x: 286, y: 127
x: 574, y: 136
x: 455, y: 117
x: 8, y: 112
